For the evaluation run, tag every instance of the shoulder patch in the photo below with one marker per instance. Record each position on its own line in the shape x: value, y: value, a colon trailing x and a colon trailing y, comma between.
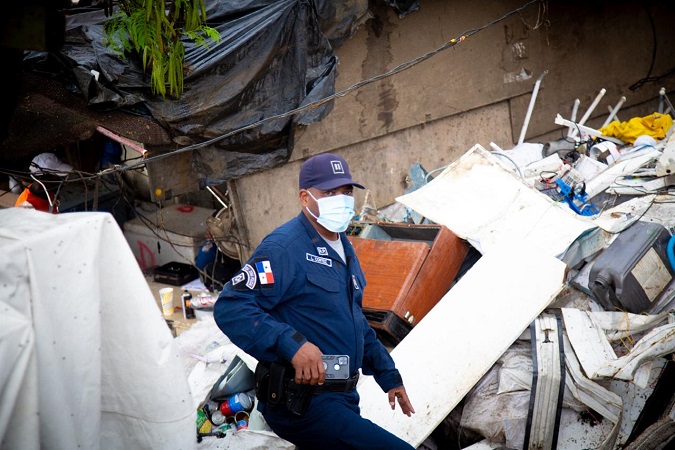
x: 256, y: 274
x: 250, y: 276
x: 265, y: 275
x: 245, y: 278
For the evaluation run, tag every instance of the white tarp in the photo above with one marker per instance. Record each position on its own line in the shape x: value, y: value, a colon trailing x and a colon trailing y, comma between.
x: 87, y: 359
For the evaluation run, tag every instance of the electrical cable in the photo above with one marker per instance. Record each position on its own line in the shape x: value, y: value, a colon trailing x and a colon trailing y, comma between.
x: 49, y: 197
x: 401, y: 67
x: 520, y: 172
x: 438, y: 169
x: 642, y: 81
x: 648, y: 78
x: 5, y: 193
x: 153, y: 227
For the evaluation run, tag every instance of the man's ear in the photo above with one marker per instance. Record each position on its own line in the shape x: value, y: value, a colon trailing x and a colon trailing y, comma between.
x: 304, y: 197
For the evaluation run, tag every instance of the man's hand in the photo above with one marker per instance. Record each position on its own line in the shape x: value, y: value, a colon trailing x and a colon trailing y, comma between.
x: 399, y: 393
x: 308, y: 365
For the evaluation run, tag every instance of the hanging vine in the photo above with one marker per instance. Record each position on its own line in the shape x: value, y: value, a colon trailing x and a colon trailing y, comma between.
x: 153, y: 30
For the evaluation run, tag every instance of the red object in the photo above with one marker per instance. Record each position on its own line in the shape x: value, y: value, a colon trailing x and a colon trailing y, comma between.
x: 233, y: 404
x: 38, y: 203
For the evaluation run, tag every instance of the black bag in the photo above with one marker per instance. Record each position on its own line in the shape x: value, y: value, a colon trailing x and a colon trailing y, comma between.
x: 275, y: 385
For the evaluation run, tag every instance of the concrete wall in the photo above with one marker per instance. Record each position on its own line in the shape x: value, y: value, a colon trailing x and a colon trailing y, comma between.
x: 476, y: 92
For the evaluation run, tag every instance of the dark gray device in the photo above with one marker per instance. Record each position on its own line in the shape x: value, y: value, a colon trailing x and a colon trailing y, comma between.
x: 337, y: 366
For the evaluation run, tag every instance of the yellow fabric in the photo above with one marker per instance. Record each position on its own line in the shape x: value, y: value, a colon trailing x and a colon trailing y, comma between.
x: 655, y: 125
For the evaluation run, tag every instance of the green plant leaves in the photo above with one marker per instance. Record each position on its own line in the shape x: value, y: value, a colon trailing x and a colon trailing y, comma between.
x: 154, y: 33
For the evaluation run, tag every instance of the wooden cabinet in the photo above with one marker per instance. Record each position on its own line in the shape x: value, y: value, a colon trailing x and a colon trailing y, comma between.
x: 408, y: 269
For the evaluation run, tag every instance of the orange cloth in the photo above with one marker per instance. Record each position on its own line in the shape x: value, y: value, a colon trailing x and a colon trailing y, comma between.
x: 38, y: 203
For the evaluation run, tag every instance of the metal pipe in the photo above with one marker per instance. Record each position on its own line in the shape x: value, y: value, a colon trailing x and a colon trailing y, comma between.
x: 573, y: 117
x: 590, y: 109
x: 217, y: 196
x: 662, y: 93
x: 588, y: 130
x: 496, y: 147
x: 121, y: 140
x: 616, y: 117
x: 613, y: 112
x: 531, y: 107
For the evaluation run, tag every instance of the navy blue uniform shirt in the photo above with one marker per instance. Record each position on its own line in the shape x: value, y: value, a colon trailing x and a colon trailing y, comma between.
x: 296, y: 288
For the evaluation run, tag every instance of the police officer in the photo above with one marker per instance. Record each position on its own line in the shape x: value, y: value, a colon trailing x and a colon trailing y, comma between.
x: 300, y: 297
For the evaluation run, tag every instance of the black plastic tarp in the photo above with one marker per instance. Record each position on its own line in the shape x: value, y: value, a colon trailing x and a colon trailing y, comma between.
x: 274, y: 56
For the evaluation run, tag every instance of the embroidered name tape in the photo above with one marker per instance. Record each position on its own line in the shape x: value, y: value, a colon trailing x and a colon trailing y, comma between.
x: 319, y: 260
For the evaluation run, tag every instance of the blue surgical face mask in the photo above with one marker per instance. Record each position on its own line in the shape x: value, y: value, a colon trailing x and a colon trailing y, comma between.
x: 335, y: 212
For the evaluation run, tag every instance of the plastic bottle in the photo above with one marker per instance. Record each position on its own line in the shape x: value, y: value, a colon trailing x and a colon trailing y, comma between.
x: 188, y: 311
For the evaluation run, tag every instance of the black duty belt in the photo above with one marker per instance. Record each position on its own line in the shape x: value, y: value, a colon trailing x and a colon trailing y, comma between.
x: 347, y: 385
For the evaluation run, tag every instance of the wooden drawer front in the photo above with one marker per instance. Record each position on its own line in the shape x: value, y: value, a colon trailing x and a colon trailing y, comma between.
x: 390, y: 268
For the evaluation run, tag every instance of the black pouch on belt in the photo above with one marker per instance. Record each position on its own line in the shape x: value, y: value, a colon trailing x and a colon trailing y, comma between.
x: 262, y: 381
x: 276, y: 389
x: 275, y: 385
x: 270, y: 380
x: 298, y: 396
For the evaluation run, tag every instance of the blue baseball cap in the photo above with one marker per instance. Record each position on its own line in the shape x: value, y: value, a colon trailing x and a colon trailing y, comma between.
x: 326, y: 171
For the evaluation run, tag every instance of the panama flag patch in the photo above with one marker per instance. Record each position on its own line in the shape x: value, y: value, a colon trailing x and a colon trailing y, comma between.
x: 265, y: 274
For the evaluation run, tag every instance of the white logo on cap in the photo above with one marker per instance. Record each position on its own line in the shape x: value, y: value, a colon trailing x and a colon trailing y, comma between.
x: 337, y: 167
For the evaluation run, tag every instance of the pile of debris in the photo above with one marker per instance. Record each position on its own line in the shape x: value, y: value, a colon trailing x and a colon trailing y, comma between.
x: 561, y: 334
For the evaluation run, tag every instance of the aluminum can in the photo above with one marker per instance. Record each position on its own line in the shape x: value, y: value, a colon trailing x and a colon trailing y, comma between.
x: 188, y: 311
x: 235, y: 403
